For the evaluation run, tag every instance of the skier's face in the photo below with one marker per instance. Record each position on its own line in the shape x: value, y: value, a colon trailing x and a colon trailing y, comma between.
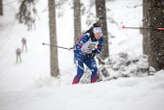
x: 97, y: 32
x: 98, y: 35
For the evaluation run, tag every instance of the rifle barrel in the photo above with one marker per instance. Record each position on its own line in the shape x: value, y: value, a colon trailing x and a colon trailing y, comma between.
x: 158, y: 28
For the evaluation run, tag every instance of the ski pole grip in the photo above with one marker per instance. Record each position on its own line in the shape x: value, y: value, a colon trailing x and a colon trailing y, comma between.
x: 123, y: 26
x: 43, y: 43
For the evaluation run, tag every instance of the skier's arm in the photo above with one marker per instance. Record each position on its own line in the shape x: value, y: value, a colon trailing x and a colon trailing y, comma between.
x: 100, y: 46
x: 80, y: 43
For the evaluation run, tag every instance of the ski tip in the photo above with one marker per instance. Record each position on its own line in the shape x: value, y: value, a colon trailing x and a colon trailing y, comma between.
x: 123, y: 26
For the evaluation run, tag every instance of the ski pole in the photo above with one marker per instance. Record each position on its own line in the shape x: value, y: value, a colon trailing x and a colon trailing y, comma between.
x: 56, y: 46
x: 158, y: 28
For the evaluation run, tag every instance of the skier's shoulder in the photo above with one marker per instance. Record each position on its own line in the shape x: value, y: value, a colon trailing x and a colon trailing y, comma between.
x: 101, y: 40
x: 86, y: 35
x: 23, y: 39
x: 18, y: 50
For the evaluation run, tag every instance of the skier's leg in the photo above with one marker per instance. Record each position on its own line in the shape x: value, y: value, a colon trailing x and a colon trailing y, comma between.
x: 16, y: 58
x: 91, y: 64
x: 26, y: 47
x: 22, y: 47
x: 80, y: 71
x: 20, y: 58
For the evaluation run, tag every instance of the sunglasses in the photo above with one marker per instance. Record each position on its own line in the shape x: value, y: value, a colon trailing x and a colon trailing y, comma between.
x: 97, y: 30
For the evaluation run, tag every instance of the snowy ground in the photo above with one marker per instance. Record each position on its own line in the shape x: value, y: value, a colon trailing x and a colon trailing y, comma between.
x: 28, y: 85
x: 124, y: 94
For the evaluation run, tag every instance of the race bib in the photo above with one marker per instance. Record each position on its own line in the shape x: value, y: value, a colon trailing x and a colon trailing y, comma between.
x: 89, y: 46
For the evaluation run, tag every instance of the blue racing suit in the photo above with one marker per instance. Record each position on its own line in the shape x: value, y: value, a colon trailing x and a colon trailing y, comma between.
x: 81, y: 53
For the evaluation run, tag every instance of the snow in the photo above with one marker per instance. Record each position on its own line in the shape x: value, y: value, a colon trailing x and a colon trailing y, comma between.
x: 28, y: 85
x: 126, y: 94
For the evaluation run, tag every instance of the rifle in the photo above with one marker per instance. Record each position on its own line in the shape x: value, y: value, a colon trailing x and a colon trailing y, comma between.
x: 156, y: 28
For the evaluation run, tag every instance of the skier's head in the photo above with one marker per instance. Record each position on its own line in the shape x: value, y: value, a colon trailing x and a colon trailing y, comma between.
x: 97, y: 24
x: 97, y: 30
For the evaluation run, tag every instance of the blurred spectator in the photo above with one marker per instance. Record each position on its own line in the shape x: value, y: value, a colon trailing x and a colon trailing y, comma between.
x: 24, y: 44
x: 18, y: 55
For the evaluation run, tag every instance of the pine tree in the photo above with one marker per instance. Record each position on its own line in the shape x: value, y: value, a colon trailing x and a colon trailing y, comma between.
x: 1, y: 7
x: 77, y: 20
x: 53, y: 39
x: 27, y: 12
x: 101, y: 14
x: 156, y: 43
x: 145, y: 32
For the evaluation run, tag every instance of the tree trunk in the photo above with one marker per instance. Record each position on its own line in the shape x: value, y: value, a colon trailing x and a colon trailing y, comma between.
x: 156, y: 19
x: 53, y: 39
x: 1, y: 7
x: 145, y: 32
x: 101, y: 14
x: 77, y: 20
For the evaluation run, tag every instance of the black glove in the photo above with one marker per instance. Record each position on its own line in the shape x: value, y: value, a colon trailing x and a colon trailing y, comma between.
x: 92, y: 55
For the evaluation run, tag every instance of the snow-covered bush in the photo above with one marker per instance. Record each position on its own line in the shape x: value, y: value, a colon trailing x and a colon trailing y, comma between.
x: 120, y: 65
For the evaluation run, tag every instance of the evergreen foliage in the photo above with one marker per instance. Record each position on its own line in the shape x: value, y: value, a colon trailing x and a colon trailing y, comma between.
x: 27, y: 13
